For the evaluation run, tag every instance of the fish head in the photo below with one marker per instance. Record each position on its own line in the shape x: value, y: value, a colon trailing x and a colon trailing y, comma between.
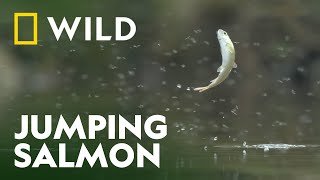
x: 223, y: 36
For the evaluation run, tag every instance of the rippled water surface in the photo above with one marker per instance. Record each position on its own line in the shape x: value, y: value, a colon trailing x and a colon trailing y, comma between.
x: 261, y: 123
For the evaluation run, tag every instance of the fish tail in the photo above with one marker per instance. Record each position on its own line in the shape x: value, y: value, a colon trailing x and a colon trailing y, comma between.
x: 213, y: 83
x: 201, y: 89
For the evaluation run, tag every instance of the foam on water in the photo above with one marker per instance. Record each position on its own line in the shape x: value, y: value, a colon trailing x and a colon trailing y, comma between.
x: 271, y: 146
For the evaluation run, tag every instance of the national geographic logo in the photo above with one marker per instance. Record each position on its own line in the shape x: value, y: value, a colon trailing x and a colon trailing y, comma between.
x: 71, y: 30
x: 16, y: 29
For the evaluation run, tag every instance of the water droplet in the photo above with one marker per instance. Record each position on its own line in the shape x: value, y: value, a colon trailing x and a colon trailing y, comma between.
x: 309, y: 94
x: 305, y: 119
x: 287, y: 38
x: 300, y: 69
x: 136, y: 46
x: 244, y: 143
x: 193, y: 40
x: 131, y: 73
x: 58, y: 105
x: 256, y: 44
x: 167, y: 54
x: 141, y: 106
x: 121, y: 76
x: 206, y: 42
x: 244, y: 152
x: 163, y: 69
x: 111, y: 66
x: 84, y: 76
x: 197, y: 31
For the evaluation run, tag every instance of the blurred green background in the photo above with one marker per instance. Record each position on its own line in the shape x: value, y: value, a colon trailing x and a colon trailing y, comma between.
x: 272, y: 97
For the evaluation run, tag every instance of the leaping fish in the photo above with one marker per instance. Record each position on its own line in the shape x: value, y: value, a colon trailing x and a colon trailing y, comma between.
x: 228, y: 60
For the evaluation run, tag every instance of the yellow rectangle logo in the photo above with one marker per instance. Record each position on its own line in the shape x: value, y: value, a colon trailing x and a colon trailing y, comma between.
x: 35, y: 29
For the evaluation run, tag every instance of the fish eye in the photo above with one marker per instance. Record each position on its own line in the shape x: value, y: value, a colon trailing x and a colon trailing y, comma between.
x: 225, y: 33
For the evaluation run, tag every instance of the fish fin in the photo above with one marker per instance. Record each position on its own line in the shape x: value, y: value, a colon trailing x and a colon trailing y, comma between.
x: 201, y: 89
x: 235, y: 65
x: 220, y: 69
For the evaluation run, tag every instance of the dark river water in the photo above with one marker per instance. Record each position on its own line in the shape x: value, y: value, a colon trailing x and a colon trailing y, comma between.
x: 261, y: 123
